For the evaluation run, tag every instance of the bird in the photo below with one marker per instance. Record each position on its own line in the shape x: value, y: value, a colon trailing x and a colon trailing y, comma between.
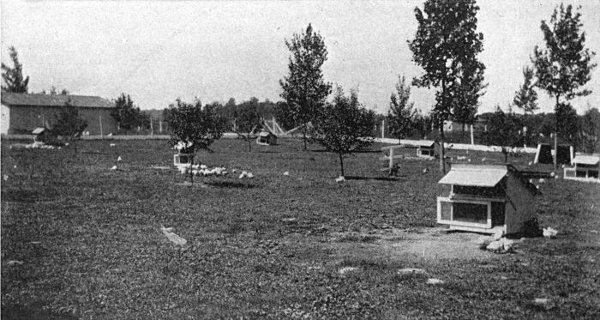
x: 177, y: 240
x: 286, y: 173
x: 112, y: 144
x: 119, y: 158
x: 113, y: 168
x: 250, y: 175
x: 425, y: 170
x: 340, y: 179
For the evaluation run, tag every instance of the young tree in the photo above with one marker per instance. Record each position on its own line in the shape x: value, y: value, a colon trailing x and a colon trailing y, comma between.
x: 401, y: 115
x: 564, y: 66
x: 68, y: 124
x: 344, y: 126
x: 526, y: 97
x: 13, y: 77
x: 503, y: 130
x: 304, y: 89
x: 127, y: 115
x: 194, y: 126
x: 248, y: 121
x: 446, y: 45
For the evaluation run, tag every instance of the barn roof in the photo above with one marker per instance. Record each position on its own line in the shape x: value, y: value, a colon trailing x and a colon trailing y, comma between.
x: 58, y: 100
x: 587, y: 159
x: 475, y: 175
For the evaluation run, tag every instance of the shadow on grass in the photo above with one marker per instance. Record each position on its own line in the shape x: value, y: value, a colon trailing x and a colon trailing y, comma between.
x: 361, y: 151
x: 230, y: 184
x: 32, y: 313
x: 372, y: 178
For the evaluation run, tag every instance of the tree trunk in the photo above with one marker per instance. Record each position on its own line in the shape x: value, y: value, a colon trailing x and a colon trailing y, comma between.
x: 556, y: 133
x: 304, y: 136
x: 341, y: 163
x: 249, y: 144
x: 191, y: 173
x: 442, y: 156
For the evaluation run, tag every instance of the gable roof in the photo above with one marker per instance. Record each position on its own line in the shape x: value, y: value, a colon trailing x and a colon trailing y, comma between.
x: 59, y: 100
x: 587, y: 159
x: 474, y: 175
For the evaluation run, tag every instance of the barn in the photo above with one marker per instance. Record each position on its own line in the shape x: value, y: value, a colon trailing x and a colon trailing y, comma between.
x: 22, y: 113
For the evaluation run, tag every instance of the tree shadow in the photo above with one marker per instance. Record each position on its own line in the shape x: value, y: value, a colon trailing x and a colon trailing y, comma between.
x: 230, y: 184
x: 372, y: 178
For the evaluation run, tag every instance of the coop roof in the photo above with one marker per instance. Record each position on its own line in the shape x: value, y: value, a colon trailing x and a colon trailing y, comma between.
x: 587, y: 159
x: 38, y: 130
x: 57, y: 100
x: 474, y: 175
x: 421, y: 143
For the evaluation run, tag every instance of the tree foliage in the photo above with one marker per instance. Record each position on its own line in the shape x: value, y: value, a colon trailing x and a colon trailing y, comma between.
x: 504, y: 129
x: 344, y: 126
x: 248, y: 121
x: 446, y: 45
x: 13, y: 77
x: 68, y: 123
x: 401, y: 114
x: 127, y: 115
x: 526, y: 97
x: 567, y: 124
x: 565, y: 64
x: 304, y: 89
x: 590, y: 130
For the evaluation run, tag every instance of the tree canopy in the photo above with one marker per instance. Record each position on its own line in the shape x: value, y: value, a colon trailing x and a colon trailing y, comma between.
x: 446, y: 46
x: 401, y: 114
x: 344, y: 126
x: 304, y: 89
x: 247, y: 121
x: 13, y: 77
x: 127, y: 115
x: 68, y: 123
x: 526, y: 97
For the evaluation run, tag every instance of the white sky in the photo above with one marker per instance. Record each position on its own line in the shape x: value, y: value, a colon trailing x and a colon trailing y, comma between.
x: 157, y: 51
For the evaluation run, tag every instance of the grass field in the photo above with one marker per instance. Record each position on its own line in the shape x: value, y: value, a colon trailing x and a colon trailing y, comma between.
x: 272, y: 247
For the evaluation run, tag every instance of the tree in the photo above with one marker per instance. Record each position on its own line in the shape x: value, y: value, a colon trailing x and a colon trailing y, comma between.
x: 344, y: 126
x: 304, y: 89
x: 564, y: 66
x: 504, y: 130
x: 446, y: 45
x: 526, y: 97
x: 401, y: 114
x: 248, y: 121
x: 13, y: 77
x: 127, y: 115
x: 590, y: 130
x: 567, y: 123
x: 194, y: 126
x: 68, y: 124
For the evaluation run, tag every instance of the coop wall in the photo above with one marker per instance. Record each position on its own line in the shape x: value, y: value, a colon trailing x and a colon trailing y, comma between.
x: 519, y: 206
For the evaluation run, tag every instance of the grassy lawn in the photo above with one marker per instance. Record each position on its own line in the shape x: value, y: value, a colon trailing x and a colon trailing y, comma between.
x: 273, y: 246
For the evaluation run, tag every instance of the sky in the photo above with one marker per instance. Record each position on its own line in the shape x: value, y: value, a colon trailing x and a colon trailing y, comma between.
x: 158, y: 51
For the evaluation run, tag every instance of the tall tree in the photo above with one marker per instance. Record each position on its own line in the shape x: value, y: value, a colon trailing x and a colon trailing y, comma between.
x: 304, y: 89
x: 194, y: 126
x: 13, y: 77
x: 344, y: 126
x: 446, y: 45
x: 565, y: 65
x: 526, y: 97
x: 401, y: 115
x: 248, y: 121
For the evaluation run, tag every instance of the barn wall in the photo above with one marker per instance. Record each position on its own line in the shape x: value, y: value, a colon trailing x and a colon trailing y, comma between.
x: 522, y: 199
x: 23, y: 119
x: 5, y: 122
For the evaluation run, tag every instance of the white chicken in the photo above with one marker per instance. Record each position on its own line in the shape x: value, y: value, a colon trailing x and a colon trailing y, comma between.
x: 177, y: 240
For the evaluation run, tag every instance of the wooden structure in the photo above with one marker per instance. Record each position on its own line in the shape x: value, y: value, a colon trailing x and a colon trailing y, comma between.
x: 486, y: 199
x: 427, y: 149
x: 39, y: 134
x: 545, y: 154
x: 22, y: 113
x: 586, y: 167
x: 266, y: 138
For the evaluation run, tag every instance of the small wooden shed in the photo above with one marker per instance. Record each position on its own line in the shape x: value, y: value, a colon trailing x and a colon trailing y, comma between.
x: 486, y: 199
x: 586, y: 167
x: 266, y: 138
x: 39, y: 134
x: 427, y: 149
